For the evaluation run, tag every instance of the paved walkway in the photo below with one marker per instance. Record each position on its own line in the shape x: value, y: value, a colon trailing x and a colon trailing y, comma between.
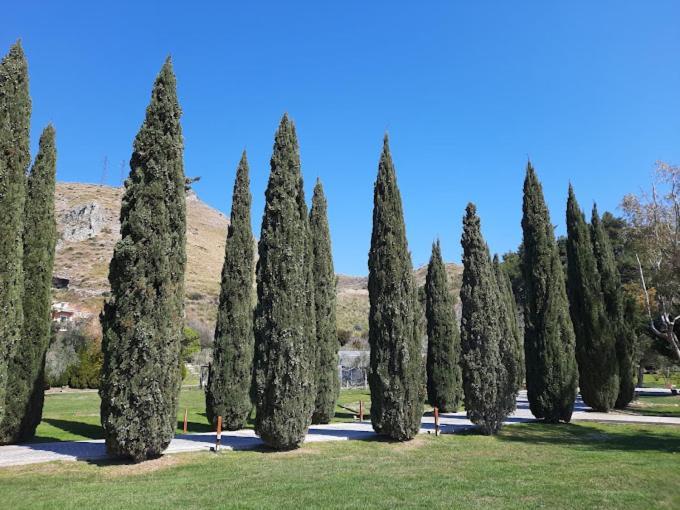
x: 32, y: 453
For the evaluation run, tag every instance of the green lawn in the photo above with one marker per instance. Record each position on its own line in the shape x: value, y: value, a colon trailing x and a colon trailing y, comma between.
x: 526, y: 466
x: 658, y: 381
x: 658, y: 406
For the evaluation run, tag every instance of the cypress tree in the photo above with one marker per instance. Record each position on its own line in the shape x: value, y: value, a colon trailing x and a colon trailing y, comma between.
x: 615, y: 309
x: 143, y: 321
x: 396, y: 368
x: 488, y: 383
x: 595, y: 341
x: 551, y: 373
x: 444, y: 380
x: 26, y: 380
x: 284, y: 363
x: 15, y: 118
x: 228, y: 391
x: 512, y: 344
x: 327, y: 380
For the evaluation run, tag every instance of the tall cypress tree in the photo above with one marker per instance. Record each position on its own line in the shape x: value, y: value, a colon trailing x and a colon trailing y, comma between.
x: 327, y: 380
x: 396, y: 366
x: 488, y: 383
x: 228, y: 391
x: 512, y: 345
x: 615, y: 309
x: 26, y: 374
x: 444, y: 379
x: 595, y: 341
x: 143, y: 321
x: 15, y: 119
x: 551, y: 373
x: 284, y: 363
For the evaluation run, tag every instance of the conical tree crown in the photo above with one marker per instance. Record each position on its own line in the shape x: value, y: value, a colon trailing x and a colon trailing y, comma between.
x: 444, y: 379
x: 551, y: 373
x: 228, y: 391
x: 15, y: 118
x: 614, y: 307
x: 327, y: 381
x: 26, y: 382
x: 396, y: 367
x: 143, y: 321
x: 284, y: 389
x: 595, y: 341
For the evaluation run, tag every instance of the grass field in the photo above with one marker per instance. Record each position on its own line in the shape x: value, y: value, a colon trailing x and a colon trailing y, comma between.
x: 526, y: 466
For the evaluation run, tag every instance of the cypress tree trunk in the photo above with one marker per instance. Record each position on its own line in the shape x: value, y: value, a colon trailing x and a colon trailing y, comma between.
x: 548, y: 333
x: 617, y: 312
x: 26, y: 381
x: 143, y: 321
x: 228, y: 391
x: 512, y: 343
x: 444, y: 379
x: 488, y: 383
x: 284, y: 363
x: 15, y: 118
x: 595, y: 341
x: 327, y: 381
x: 396, y: 366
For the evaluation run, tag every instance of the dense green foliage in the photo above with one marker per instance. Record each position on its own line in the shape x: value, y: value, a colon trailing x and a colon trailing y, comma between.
x: 512, y: 344
x: 285, y: 353
x: 143, y: 321
x: 551, y: 373
x: 487, y: 352
x: 396, y: 372
x: 327, y: 380
x: 15, y: 119
x: 614, y: 299
x: 595, y: 339
x: 228, y: 391
x: 26, y: 368
x: 444, y: 378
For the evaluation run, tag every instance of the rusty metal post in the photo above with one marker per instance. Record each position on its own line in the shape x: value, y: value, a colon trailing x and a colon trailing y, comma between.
x: 219, y: 433
x: 436, y: 421
x: 186, y: 412
x: 361, y: 410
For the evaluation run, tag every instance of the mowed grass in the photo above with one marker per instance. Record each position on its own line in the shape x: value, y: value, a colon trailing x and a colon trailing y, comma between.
x: 526, y: 466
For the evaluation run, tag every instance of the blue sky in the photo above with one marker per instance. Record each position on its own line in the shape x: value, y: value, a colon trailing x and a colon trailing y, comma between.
x: 466, y: 91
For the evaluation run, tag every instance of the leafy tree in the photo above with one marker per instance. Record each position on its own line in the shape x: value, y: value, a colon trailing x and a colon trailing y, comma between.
x: 512, y: 343
x: 15, y: 118
x: 551, y: 373
x: 284, y: 391
x: 26, y: 381
x: 228, y: 391
x: 327, y: 381
x: 143, y: 320
x: 595, y: 338
x: 444, y: 383
x: 396, y: 369
x: 489, y: 384
x: 614, y: 299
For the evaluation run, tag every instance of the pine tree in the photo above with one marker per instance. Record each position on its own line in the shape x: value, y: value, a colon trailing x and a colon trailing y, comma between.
x: 444, y: 380
x: 327, y: 380
x: 143, y: 321
x: 228, y: 391
x: 615, y: 309
x: 285, y: 354
x: 551, y: 373
x: 26, y: 369
x: 512, y: 345
x: 488, y: 384
x: 15, y: 118
x: 396, y: 367
x: 595, y: 341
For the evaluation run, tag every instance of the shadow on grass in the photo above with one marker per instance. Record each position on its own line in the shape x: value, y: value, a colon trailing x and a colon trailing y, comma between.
x: 656, y: 438
x: 86, y: 430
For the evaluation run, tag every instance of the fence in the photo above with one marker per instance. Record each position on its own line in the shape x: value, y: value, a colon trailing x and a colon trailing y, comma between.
x: 356, y: 377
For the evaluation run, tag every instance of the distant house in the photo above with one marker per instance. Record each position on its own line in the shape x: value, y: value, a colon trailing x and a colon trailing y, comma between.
x: 65, y: 314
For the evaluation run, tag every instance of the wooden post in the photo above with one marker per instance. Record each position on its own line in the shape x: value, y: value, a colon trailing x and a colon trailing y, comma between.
x: 219, y: 433
x: 436, y: 421
x: 361, y: 410
x: 186, y: 412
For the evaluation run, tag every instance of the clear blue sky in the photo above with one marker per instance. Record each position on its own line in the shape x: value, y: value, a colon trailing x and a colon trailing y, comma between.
x: 589, y: 90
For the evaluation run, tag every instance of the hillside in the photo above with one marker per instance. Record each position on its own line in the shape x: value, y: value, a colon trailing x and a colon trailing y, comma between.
x: 88, y: 225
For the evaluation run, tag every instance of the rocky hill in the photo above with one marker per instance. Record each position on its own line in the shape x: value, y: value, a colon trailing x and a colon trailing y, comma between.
x: 88, y: 226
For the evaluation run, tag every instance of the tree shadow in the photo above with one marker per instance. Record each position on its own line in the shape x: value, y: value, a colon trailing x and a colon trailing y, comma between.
x: 658, y: 438
x: 87, y: 430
